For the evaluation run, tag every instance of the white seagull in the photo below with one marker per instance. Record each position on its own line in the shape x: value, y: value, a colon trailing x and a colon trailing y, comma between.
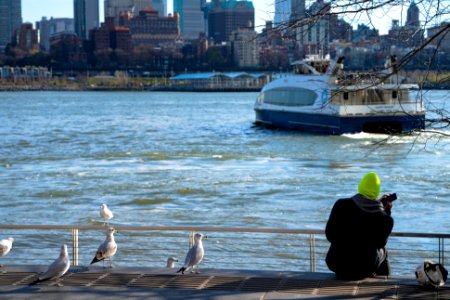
x: 171, y: 262
x: 58, y: 268
x: 5, y: 246
x: 105, y: 213
x: 195, y: 255
x: 107, y: 249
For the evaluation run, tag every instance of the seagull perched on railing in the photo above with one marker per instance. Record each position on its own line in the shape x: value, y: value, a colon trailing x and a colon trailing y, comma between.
x: 195, y: 255
x: 58, y: 268
x: 107, y: 249
x: 171, y: 262
x: 5, y: 246
x: 105, y: 213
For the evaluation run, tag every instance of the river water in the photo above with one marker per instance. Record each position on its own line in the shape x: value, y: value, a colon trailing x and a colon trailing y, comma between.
x: 197, y: 159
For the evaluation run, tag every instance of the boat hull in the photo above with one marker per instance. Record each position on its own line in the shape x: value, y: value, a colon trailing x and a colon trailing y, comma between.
x: 335, y: 124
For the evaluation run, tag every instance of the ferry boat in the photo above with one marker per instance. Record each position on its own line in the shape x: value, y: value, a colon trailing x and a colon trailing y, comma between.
x: 319, y: 97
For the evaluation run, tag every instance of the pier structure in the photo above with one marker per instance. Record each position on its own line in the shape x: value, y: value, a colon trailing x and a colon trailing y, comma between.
x: 239, y: 263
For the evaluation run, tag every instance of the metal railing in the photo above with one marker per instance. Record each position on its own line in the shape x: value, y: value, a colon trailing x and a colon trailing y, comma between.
x: 226, y: 248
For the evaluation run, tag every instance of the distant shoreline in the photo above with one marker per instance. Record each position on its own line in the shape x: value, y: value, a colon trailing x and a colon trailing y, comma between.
x: 172, y: 88
x: 49, y: 88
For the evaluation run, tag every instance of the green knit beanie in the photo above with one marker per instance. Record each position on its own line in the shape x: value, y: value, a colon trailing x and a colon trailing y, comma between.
x: 370, y: 186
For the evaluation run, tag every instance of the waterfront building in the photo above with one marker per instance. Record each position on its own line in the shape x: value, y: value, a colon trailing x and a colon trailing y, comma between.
x: 224, y: 17
x: 314, y: 36
x: 363, y: 34
x: 66, y: 48
x: 408, y: 36
x: 191, y: 17
x: 403, y: 36
x: 24, y: 74
x: 282, y: 12
x: 298, y: 10
x: 443, y: 41
x: 148, y: 28
x: 110, y: 37
x: 10, y: 20
x: 340, y: 30
x: 48, y: 27
x: 86, y: 15
x: 26, y: 38
x: 113, y: 8
x: 244, y: 46
x: 412, y: 16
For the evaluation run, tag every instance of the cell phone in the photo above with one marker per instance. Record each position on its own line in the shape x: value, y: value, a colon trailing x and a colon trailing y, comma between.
x: 390, y: 198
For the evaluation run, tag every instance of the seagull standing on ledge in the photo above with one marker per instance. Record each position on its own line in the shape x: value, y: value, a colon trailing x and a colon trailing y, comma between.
x: 107, y: 249
x: 5, y: 246
x: 171, y: 262
x: 195, y: 255
x: 58, y: 268
x: 105, y: 213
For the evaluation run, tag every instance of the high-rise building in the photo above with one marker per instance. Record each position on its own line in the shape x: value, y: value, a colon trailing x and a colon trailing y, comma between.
x: 224, y: 17
x: 282, y: 12
x: 244, y: 44
x: 315, y: 37
x: 412, y: 16
x: 148, y: 28
x: 160, y: 6
x: 86, y: 15
x: 47, y: 28
x: 27, y: 38
x: 297, y: 10
x: 10, y: 20
x: 113, y: 8
x: 191, y: 17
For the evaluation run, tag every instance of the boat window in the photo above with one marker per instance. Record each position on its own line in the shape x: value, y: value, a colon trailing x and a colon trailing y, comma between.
x: 290, y: 96
x: 345, y: 95
x: 394, y: 94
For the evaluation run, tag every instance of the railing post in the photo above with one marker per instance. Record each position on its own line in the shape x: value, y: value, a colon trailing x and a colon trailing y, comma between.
x: 312, y: 252
x: 75, y: 246
x: 441, y: 251
x: 191, y: 239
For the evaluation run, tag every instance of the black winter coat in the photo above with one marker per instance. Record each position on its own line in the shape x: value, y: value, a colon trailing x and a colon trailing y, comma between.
x: 357, y: 233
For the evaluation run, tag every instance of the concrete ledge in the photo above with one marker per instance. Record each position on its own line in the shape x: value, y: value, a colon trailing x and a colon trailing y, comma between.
x: 87, y: 282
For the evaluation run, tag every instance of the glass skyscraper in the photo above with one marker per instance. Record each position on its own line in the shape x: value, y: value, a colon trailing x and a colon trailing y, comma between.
x: 191, y: 17
x: 86, y: 15
x: 10, y: 20
x: 282, y: 11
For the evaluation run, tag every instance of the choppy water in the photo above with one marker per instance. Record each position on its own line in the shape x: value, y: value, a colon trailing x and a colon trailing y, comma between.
x: 179, y: 159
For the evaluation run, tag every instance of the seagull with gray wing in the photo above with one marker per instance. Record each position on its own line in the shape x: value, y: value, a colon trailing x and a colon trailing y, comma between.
x: 105, y: 213
x: 5, y: 246
x: 194, y: 255
x: 107, y: 249
x: 58, y: 268
x: 171, y: 262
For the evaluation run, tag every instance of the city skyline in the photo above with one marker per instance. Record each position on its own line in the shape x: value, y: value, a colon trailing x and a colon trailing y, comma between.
x: 34, y: 10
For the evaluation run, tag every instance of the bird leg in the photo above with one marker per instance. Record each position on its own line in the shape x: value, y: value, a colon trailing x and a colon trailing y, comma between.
x: 197, y: 271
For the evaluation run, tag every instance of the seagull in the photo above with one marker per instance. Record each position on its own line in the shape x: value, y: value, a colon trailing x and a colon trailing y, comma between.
x: 105, y: 213
x: 107, y: 249
x: 58, y: 268
x: 5, y: 246
x: 195, y: 254
x: 171, y: 262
